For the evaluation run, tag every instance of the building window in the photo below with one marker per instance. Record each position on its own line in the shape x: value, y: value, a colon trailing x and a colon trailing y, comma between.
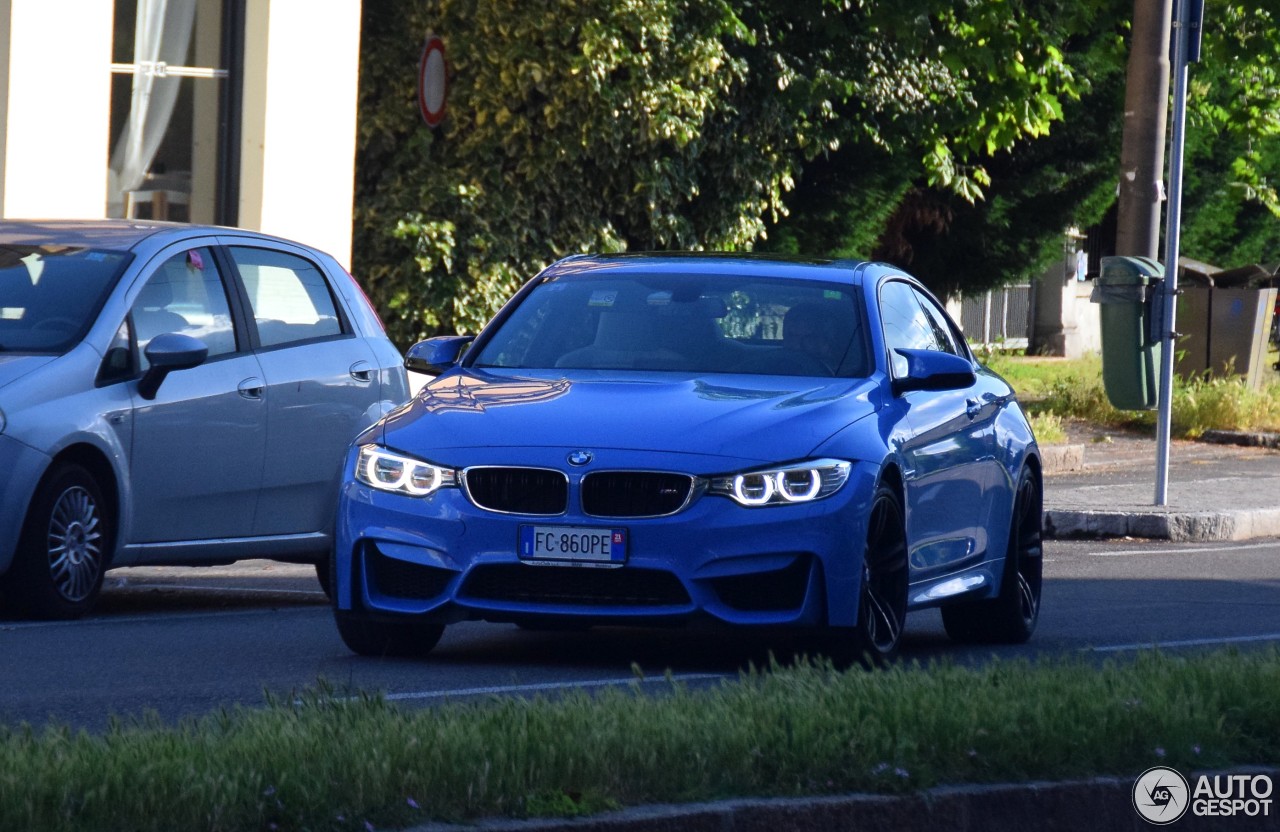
x: 173, y: 93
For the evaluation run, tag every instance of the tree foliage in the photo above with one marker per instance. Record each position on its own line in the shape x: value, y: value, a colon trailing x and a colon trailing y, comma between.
x: 1231, y: 209
x: 955, y: 137
x: 572, y: 126
x: 607, y: 125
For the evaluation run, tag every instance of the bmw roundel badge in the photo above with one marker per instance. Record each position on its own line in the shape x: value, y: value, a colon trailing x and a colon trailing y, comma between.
x: 580, y: 458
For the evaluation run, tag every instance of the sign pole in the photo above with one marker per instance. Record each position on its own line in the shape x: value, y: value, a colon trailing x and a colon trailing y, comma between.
x: 1187, y: 28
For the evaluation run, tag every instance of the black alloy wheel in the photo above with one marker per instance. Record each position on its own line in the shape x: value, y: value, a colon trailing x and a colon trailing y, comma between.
x: 882, y: 600
x: 1012, y: 616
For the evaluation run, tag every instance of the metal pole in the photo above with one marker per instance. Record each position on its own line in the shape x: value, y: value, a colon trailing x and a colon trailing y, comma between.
x: 1181, y: 24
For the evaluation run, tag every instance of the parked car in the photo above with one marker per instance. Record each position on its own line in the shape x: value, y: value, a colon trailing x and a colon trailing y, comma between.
x: 173, y: 394
x: 658, y: 439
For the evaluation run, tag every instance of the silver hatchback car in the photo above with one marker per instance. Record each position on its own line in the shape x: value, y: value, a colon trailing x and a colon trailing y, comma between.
x: 173, y: 394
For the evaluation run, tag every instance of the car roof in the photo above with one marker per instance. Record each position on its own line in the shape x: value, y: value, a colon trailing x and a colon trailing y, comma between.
x: 708, y: 263
x: 111, y: 234
x: 103, y: 234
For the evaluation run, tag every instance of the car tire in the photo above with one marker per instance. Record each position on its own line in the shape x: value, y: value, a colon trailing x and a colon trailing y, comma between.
x: 380, y: 638
x: 64, y: 549
x: 1011, y: 617
x: 367, y: 637
x: 882, y: 596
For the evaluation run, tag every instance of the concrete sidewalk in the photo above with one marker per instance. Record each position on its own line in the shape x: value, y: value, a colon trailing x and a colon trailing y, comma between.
x: 1102, y: 484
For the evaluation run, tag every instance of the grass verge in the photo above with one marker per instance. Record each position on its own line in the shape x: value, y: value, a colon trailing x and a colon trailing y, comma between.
x: 327, y: 763
x: 1072, y: 389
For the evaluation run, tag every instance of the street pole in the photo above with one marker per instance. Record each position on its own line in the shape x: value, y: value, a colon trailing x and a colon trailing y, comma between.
x: 1186, y: 30
x: 1146, y: 104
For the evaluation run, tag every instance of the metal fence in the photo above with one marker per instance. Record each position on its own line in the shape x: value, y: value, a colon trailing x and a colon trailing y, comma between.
x: 1000, y: 317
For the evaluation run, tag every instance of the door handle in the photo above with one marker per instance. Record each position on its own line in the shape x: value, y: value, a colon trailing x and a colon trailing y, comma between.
x: 362, y: 371
x: 972, y: 407
x: 250, y: 388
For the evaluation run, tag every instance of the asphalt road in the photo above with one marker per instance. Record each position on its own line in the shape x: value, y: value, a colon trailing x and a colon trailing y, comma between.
x: 184, y: 642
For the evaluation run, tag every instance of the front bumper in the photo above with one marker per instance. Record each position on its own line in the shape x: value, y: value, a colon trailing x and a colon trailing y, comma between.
x: 441, y: 558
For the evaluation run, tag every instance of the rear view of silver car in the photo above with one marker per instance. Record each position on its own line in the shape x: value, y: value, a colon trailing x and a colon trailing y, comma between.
x: 173, y: 394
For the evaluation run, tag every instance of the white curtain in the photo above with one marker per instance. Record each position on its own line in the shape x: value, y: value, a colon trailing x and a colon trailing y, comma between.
x: 162, y: 36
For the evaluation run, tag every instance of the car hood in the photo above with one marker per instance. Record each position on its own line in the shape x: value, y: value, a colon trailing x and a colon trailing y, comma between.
x: 747, y: 419
x: 14, y: 367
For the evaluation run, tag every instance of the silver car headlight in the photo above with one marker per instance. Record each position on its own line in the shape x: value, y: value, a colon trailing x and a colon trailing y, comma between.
x: 381, y: 469
x: 802, y: 482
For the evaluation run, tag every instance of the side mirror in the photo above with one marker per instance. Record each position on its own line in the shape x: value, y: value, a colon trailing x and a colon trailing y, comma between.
x: 435, y: 355
x: 166, y: 353
x: 933, y: 370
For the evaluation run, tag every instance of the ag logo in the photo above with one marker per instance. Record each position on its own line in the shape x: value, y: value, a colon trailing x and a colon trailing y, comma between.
x: 1161, y: 795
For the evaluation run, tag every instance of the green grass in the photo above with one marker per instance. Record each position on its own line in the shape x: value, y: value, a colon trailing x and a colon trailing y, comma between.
x: 1048, y: 428
x: 1072, y: 389
x: 326, y: 763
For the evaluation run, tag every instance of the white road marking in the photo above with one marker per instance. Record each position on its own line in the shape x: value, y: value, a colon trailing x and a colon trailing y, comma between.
x: 1227, y: 547
x: 542, y: 686
x: 1190, y: 642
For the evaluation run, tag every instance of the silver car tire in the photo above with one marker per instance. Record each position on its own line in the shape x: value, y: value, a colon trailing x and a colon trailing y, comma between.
x: 65, y: 547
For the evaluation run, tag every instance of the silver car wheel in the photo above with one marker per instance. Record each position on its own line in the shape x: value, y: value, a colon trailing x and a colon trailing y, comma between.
x: 75, y: 544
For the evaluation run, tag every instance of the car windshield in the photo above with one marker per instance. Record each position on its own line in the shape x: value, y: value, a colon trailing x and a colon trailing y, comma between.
x: 49, y: 295
x: 683, y: 323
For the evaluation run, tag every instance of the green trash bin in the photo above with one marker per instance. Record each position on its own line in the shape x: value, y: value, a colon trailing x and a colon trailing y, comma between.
x: 1128, y: 293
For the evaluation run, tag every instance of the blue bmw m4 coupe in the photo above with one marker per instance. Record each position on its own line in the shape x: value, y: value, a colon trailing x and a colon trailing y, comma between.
x: 659, y: 439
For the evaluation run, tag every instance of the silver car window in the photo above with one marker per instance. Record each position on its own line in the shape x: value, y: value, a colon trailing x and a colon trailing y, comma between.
x: 289, y: 296
x: 185, y: 294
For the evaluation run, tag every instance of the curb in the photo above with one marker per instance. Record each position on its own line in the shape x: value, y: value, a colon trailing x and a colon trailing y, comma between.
x: 1097, y: 803
x: 1061, y: 459
x: 1174, y: 526
x: 1236, y: 437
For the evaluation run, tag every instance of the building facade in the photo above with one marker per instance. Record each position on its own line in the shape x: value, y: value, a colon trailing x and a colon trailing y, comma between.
x: 233, y: 112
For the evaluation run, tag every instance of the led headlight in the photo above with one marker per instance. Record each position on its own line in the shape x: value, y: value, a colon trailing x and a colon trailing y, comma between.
x: 385, y: 471
x: 802, y: 482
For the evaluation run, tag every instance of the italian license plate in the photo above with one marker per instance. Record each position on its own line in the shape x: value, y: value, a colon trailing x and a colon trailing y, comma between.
x: 573, y: 543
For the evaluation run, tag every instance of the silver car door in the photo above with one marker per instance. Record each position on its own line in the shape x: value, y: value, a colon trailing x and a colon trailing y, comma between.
x: 322, y: 385
x: 196, y: 462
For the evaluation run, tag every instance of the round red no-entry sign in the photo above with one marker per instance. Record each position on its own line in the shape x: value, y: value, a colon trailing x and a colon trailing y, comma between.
x: 433, y: 82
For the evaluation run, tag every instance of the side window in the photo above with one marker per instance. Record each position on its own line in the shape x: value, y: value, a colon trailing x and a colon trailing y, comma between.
x: 906, y: 325
x: 941, y: 329
x: 288, y: 295
x: 186, y: 295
